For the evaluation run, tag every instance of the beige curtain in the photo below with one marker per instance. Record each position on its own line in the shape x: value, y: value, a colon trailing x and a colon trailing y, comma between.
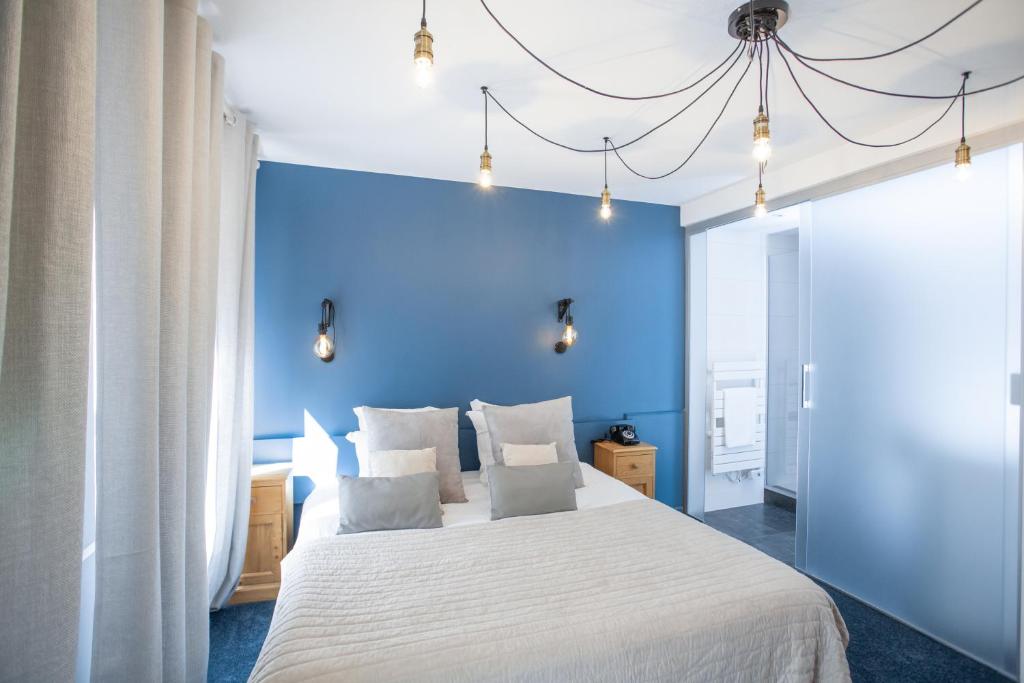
x: 157, y: 195
x: 47, y: 93
x: 230, y: 458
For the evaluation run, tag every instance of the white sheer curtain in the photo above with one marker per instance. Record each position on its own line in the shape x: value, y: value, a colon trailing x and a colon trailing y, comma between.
x: 47, y: 92
x: 157, y: 195
x: 227, y: 495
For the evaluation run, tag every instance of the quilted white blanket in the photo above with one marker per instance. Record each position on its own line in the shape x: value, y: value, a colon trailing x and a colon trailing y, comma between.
x: 629, y: 592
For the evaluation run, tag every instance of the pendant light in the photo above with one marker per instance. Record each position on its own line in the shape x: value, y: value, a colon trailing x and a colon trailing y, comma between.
x: 962, y: 157
x: 762, y: 137
x: 423, y: 53
x: 606, y: 196
x: 760, y: 210
x: 485, y: 179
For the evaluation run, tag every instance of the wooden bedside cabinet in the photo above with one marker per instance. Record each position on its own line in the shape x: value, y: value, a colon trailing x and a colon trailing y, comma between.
x: 633, y: 465
x: 270, y: 533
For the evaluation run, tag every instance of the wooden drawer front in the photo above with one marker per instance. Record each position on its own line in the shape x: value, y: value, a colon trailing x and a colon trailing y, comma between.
x: 634, y: 465
x: 267, y: 500
x: 644, y: 485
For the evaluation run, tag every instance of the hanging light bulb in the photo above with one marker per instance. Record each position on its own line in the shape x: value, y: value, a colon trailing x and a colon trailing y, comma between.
x: 962, y: 156
x: 762, y: 137
x: 963, y: 160
x: 423, y: 53
x: 606, y: 203
x: 760, y: 209
x: 606, y: 196
x: 485, y: 179
x: 485, y: 168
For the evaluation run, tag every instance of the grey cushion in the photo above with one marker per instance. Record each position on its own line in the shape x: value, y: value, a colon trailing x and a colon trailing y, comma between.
x: 531, y: 490
x: 390, y: 430
x: 533, y: 423
x: 388, y: 503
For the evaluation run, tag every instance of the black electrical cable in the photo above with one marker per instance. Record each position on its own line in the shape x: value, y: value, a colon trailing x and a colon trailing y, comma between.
x: 835, y: 130
x: 893, y: 51
x: 595, y: 90
x: 483, y: 89
x: 634, y: 140
x: 606, y: 141
x: 699, y: 144
x: 423, y: 19
x: 782, y: 44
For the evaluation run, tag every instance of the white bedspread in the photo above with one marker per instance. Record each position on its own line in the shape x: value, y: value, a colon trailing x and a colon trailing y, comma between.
x: 628, y: 592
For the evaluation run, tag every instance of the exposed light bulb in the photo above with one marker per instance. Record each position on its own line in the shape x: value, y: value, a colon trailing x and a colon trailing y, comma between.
x: 423, y: 55
x: 762, y: 137
x: 424, y: 73
x: 962, y: 160
x: 569, y: 334
x: 323, y: 347
x: 760, y: 210
x: 606, y: 203
x: 485, y: 169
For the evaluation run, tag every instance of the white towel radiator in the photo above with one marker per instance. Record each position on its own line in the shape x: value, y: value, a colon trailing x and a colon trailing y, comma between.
x: 724, y: 375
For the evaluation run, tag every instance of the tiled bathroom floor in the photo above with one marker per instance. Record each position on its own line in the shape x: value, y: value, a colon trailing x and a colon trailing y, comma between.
x: 769, y: 528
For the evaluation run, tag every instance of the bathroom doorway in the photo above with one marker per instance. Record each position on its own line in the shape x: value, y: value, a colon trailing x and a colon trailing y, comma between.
x: 753, y: 381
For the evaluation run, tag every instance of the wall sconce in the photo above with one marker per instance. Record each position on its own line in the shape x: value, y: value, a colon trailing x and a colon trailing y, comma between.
x: 323, y: 347
x: 569, y: 333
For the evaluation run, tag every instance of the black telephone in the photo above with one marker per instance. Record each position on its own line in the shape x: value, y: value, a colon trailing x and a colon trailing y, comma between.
x: 624, y: 434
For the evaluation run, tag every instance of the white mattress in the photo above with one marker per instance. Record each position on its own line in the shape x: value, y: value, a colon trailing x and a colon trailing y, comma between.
x: 320, y: 510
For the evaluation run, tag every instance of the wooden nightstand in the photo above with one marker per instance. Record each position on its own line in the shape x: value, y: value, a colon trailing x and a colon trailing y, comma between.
x: 270, y: 533
x: 633, y: 465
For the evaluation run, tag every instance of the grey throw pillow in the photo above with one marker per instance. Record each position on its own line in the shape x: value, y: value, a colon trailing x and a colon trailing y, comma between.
x: 531, y: 490
x: 388, y: 503
x: 533, y: 423
x: 391, y: 430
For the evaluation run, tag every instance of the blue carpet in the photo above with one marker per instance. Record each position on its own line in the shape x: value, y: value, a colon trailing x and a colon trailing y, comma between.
x: 236, y: 636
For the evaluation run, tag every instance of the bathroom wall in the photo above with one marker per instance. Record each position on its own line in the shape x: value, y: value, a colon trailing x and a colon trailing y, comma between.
x: 737, y: 330
x: 783, y: 360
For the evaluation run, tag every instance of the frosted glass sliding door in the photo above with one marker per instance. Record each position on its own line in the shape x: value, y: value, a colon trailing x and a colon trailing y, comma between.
x: 911, y: 488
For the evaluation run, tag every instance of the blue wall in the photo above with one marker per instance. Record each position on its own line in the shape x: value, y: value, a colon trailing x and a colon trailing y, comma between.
x: 446, y: 292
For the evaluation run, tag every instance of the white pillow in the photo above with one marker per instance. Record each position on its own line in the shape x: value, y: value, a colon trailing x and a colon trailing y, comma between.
x: 401, y: 463
x: 483, y: 442
x: 358, y: 410
x: 358, y: 438
x: 520, y: 455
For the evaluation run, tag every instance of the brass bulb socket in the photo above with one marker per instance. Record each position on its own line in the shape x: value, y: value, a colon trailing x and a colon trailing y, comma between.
x: 485, y: 160
x: 424, y: 43
x: 761, y: 131
x: 759, y: 196
x: 963, y: 154
x: 606, y: 197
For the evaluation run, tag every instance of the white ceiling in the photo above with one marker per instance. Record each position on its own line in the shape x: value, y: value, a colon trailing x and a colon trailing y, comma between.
x: 330, y: 83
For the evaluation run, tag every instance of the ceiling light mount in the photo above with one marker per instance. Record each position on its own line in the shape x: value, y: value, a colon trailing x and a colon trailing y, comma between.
x: 757, y: 20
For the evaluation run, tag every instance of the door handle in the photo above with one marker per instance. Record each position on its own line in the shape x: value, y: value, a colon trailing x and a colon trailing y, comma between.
x: 805, y: 385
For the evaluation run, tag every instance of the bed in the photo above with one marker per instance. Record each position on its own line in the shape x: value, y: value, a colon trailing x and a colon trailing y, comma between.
x: 624, y: 589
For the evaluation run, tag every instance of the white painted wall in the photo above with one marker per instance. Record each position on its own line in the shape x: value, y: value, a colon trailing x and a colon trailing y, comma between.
x: 736, y: 331
x: 783, y: 360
